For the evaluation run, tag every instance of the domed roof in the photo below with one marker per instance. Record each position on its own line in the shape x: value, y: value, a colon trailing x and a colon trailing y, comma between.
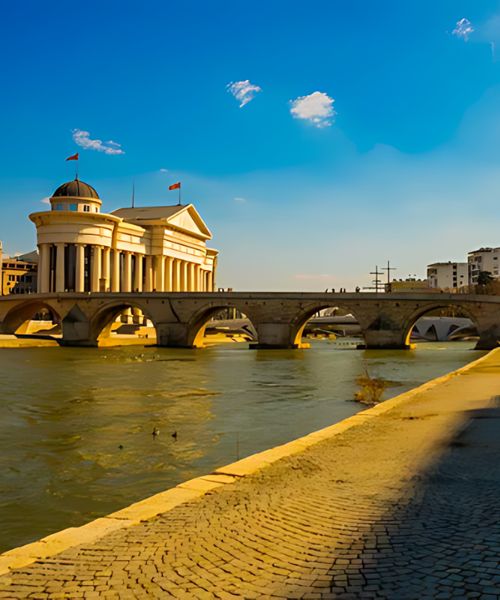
x: 76, y: 189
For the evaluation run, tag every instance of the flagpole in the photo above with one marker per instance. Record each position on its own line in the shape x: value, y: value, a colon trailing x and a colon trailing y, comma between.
x: 76, y: 170
x: 179, y: 194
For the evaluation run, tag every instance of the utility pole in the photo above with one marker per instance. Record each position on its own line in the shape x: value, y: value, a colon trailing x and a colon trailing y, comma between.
x: 389, y: 269
x: 377, y: 281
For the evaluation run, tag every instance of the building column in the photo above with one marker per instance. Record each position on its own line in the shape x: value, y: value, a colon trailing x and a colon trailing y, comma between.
x: 197, y: 278
x: 176, y: 275
x: 211, y: 281
x: 80, y: 268
x: 127, y: 272
x: 148, y: 282
x: 137, y: 314
x: 169, y: 267
x: 38, y: 275
x: 127, y: 316
x: 60, y: 267
x: 115, y: 272
x: 160, y: 273
x: 44, y: 269
x: 190, y: 280
x: 184, y: 276
x: 138, y: 273
x: 106, y: 256
x: 96, y: 268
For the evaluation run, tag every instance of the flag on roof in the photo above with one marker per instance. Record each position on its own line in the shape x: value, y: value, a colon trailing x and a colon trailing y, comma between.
x: 73, y: 157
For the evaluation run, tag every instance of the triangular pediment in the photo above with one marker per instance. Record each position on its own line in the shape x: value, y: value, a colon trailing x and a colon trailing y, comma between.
x: 189, y: 221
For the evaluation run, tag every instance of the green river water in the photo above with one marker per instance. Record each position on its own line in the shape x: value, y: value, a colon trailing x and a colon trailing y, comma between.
x: 76, y: 429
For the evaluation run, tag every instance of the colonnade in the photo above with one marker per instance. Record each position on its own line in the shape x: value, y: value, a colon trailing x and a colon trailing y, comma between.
x: 93, y: 268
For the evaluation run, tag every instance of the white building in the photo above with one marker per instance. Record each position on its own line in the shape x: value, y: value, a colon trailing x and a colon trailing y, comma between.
x: 157, y: 248
x: 484, y: 259
x: 448, y: 275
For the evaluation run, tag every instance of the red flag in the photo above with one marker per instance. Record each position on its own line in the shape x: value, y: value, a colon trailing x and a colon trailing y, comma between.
x: 175, y: 186
x: 73, y: 157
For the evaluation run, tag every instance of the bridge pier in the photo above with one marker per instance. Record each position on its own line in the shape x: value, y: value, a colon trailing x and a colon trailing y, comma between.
x: 384, y: 339
x: 488, y: 339
x: 77, y: 333
x: 275, y: 336
x: 174, y: 335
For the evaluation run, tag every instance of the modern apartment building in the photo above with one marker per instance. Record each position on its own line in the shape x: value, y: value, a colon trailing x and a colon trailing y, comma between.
x: 448, y: 275
x: 484, y: 259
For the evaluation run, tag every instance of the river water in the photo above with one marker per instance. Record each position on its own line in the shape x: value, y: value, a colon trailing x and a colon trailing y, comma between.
x: 76, y: 429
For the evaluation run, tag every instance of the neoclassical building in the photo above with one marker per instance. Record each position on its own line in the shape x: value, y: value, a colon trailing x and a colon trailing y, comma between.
x: 157, y: 248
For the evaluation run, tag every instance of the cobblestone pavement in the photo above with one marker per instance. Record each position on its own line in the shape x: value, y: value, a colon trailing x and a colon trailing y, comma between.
x: 404, y: 506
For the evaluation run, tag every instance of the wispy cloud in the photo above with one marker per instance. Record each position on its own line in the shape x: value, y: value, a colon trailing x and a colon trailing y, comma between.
x: 463, y: 29
x: 240, y: 200
x: 163, y: 170
x: 317, y: 108
x: 243, y: 91
x: 82, y: 139
x: 45, y: 200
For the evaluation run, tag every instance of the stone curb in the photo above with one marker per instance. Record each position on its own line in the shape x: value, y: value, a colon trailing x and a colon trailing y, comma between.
x: 196, y: 488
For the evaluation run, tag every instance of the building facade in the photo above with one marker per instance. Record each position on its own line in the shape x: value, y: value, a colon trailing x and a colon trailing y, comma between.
x: 409, y: 285
x: 484, y: 259
x: 18, y: 276
x: 448, y: 275
x: 160, y: 248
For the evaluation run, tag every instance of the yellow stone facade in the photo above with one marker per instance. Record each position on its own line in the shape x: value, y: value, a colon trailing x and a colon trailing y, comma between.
x: 145, y: 249
x: 17, y: 277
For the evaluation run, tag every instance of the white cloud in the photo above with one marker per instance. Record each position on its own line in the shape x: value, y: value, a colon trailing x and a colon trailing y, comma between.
x: 463, y: 29
x: 82, y: 138
x: 317, y: 108
x: 45, y: 200
x: 243, y: 91
x: 240, y: 200
x: 163, y: 170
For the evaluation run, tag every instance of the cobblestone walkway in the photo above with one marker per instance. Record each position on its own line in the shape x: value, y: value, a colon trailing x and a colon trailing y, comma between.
x: 403, y: 506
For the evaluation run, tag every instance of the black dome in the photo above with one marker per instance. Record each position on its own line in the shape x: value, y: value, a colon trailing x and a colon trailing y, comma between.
x: 76, y: 189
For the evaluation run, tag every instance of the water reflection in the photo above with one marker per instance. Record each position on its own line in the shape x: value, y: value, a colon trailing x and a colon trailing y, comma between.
x: 76, y: 434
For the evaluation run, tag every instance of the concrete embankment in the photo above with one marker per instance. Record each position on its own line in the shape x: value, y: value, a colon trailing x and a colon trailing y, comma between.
x: 399, y: 501
x: 12, y: 341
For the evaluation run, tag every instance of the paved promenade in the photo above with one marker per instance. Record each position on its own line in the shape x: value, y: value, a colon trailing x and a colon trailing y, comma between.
x: 402, y: 501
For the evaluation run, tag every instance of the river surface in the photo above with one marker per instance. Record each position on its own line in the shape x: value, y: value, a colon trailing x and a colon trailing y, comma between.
x: 76, y: 429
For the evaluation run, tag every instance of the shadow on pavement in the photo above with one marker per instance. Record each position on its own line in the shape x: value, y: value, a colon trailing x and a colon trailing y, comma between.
x: 445, y: 542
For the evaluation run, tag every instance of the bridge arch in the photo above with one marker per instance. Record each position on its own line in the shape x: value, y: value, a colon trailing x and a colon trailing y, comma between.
x: 17, y: 319
x: 299, y: 322
x: 104, y: 319
x: 199, y: 320
x: 422, y: 311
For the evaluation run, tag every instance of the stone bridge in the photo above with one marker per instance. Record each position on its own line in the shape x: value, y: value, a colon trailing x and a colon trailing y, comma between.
x: 386, y: 320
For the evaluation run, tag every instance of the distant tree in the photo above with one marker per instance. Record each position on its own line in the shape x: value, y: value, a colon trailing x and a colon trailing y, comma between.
x: 484, y: 278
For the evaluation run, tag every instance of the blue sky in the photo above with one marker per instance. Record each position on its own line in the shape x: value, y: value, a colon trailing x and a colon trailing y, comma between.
x: 372, y: 134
